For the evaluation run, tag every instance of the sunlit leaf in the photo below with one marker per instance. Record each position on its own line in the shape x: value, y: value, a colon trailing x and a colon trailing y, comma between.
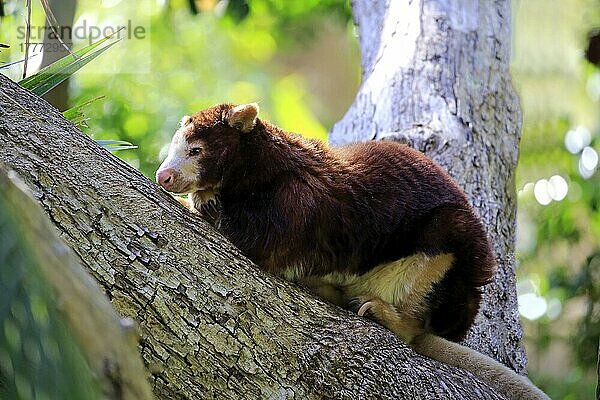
x: 114, y: 145
x: 54, y: 74
x: 76, y: 115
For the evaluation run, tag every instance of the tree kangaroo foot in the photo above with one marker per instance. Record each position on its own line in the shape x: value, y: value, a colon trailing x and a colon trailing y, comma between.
x: 402, y: 322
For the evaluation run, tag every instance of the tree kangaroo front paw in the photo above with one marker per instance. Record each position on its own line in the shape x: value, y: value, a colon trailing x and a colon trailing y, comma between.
x: 208, y: 205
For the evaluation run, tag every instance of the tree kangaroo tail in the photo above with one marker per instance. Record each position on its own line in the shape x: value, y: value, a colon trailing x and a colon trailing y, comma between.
x: 505, y: 380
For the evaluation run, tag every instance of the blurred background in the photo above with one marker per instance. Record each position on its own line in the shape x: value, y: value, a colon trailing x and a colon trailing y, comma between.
x: 300, y: 60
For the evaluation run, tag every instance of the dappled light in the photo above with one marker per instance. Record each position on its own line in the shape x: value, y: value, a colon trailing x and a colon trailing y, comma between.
x: 548, y: 190
x: 532, y: 306
x: 588, y: 162
x: 578, y: 138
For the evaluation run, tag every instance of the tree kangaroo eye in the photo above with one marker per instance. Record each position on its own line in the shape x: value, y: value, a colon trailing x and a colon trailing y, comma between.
x: 194, y: 152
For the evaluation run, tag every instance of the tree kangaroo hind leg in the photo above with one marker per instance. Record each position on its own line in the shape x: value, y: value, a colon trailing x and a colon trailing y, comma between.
x: 396, y: 294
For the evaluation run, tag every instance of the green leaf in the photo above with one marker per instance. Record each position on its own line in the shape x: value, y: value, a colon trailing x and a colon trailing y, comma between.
x: 53, y: 75
x: 76, y: 115
x: 113, y: 145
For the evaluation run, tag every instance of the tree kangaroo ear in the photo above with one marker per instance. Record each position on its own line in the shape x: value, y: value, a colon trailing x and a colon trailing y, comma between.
x: 185, y: 121
x: 243, y: 117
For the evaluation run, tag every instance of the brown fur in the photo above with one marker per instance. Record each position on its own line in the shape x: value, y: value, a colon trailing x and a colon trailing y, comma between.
x: 294, y: 204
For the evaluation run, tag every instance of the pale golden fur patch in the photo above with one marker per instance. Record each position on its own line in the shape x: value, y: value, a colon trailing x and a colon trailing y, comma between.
x: 402, y: 282
x: 393, y: 294
x: 185, y: 201
x: 404, y: 321
x: 202, y: 197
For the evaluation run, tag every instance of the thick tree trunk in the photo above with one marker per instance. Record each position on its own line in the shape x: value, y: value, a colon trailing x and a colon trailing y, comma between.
x: 213, y: 325
x: 435, y: 75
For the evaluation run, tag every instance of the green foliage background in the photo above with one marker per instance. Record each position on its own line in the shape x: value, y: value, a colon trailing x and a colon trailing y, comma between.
x: 300, y: 61
x: 558, y: 244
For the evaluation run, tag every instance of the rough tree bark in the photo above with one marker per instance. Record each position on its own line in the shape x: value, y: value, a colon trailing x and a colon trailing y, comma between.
x: 213, y: 325
x: 436, y: 76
